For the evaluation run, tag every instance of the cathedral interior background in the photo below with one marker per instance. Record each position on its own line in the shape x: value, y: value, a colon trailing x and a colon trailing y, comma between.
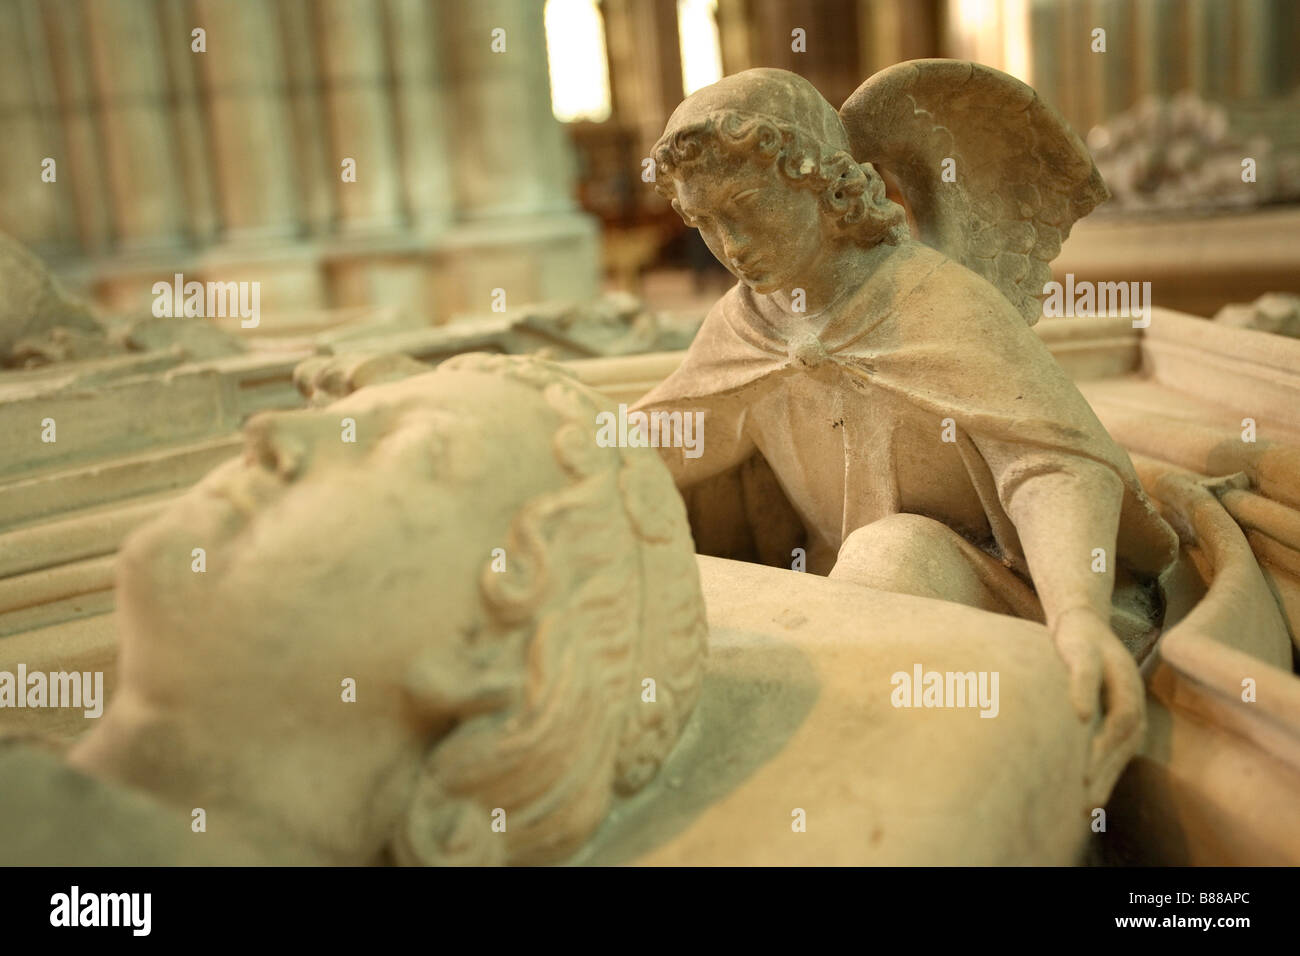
x: 523, y: 170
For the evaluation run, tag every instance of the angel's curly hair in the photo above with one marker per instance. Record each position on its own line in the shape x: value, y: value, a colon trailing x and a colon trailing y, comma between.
x: 852, y: 193
x: 601, y: 592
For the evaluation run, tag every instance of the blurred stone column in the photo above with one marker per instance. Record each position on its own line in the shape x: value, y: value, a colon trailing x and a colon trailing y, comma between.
x: 1114, y: 73
x: 186, y: 117
x: 420, y: 90
x: 1076, y: 65
x: 1210, y: 48
x: 81, y: 163
x: 1162, y: 33
x: 359, y: 114
x: 1045, y: 42
x: 317, y: 170
x: 33, y: 211
x: 140, y: 154
x: 831, y: 59
x: 511, y: 157
x: 385, y: 99
x: 512, y: 166
x: 645, y: 66
x: 1286, y: 37
x: 1262, y: 45
x: 735, y: 35
x: 769, y: 34
x: 891, y: 31
x: 249, y: 123
x: 257, y: 162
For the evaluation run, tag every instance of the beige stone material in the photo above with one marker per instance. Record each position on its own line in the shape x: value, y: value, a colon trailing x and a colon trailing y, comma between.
x: 796, y: 715
x: 519, y: 606
x: 87, y: 486
x: 881, y: 403
x: 250, y: 123
x: 597, y: 593
x: 118, y: 416
x: 1181, y: 154
x: 1276, y: 312
x: 139, y: 149
x: 79, y: 644
x: 38, y: 598
x: 1185, y: 785
x: 1195, y: 264
x: 359, y: 118
x: 34, y: 306
x: 530, y: 666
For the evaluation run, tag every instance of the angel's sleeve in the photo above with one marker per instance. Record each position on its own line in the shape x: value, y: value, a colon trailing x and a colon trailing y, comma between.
x: 1066, y: 511
x: 718, y: 439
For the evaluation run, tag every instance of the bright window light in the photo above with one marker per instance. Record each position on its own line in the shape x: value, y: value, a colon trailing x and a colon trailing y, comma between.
x: 575, y: 47
x: 697, y: 32
x: 1015, y: 39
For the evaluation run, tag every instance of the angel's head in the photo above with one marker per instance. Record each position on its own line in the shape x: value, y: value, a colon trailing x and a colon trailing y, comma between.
x: 759, y: 162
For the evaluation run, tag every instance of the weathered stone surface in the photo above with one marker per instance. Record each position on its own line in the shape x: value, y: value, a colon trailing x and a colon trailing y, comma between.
x: 879, y: 404
x: 512, y: 436
x: 33, y: 308
x: 515, y: 582
x: 1275, y: 312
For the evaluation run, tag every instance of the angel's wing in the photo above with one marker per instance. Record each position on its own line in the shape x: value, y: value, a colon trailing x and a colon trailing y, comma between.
x: 1022, y: 177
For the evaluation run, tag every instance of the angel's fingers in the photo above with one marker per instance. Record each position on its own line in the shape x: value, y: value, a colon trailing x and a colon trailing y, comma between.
x: 1124, y: 723
x: 1125, y: 697
x: 1105, y: 764
x: 1104, y: 768
x: 1084, y: 664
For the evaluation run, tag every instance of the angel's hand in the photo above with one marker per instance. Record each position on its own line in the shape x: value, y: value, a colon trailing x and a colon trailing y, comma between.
x: 324, y: 378
x: 1102, y: 676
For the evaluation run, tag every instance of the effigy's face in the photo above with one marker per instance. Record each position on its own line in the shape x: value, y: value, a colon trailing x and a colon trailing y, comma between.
x: 345, y: 543
x: 768, y: 233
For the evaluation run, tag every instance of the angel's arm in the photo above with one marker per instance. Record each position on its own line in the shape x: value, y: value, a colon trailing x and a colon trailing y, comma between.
x: 1066, y: 510
x: 714, y: 438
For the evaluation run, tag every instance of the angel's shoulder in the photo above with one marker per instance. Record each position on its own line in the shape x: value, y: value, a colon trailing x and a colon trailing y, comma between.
x: 936, y: 275
x: 914, y: 257
x: 948, y: 300
x: 916, y: 271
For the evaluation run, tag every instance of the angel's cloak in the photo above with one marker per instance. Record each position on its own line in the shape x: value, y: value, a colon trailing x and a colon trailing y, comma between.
x: 926, y: 392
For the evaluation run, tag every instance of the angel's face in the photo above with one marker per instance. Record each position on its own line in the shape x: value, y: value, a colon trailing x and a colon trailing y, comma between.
x: 767, y: 232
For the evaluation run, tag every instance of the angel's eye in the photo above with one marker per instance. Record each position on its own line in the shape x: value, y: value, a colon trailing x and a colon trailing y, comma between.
x: 744, y: 195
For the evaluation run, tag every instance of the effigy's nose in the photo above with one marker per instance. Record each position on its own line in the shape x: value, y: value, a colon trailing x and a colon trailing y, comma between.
x: 807, y: 351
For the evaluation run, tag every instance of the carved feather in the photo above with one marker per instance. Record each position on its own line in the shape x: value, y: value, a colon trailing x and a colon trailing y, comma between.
x: 1023, y: 178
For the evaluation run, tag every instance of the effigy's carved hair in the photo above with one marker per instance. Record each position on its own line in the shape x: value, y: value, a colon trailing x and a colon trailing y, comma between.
x: 600, y: 593
x: 851, y: 193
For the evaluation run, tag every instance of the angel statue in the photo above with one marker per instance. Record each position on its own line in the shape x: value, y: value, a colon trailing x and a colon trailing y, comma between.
x: 877, y: 405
